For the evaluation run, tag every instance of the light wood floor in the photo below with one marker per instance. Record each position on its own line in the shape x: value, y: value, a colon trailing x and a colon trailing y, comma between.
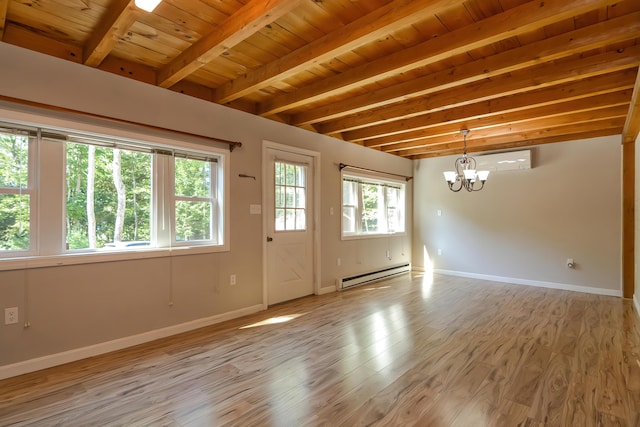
x: 405, y: 352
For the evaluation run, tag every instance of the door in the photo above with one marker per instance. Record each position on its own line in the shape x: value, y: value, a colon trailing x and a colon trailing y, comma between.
x: 289, y: 225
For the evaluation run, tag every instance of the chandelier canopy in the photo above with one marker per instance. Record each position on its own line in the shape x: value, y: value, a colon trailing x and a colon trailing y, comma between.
x: 465, y: 174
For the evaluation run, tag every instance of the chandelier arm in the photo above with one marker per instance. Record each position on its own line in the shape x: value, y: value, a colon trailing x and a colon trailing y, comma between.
x: 451, y: 185
x: 481, y: 186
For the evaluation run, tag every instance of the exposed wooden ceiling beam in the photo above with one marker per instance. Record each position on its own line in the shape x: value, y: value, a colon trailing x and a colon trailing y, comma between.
x: 547, y: 74
x: 596, y: 36
x: 22, y: 37
x: 119, y: 18
x: 505, y: 135
x: 521, y: 19
x: 395, y: 142
x: 632, y: 124
x: 370, y: 27
x: 248, y: 20
x: 4, y: 5
x: 602, y: 84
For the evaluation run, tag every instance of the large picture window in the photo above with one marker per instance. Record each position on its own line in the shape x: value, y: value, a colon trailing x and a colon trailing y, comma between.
x: 112, y: 195
x: 108, y: 197
x: 372, y: 206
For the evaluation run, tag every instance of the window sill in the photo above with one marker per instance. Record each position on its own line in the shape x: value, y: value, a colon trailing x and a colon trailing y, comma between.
x: 371, y: 236
x: 26, y: 262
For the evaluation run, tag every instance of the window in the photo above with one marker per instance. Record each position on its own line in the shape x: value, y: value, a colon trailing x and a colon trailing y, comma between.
x: 16, y: 191
x: 290, y: 197
x: 194, y: 200
x: 103, y: 195
x: 372, y: 206
x: 108, y: 197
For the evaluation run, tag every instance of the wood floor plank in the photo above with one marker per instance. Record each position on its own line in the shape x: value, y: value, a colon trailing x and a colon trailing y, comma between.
x: 550, y: 398
x: 580, y: 405
x: 458, y: 352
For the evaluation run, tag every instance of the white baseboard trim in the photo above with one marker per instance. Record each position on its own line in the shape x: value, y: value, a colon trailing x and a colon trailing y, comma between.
x: 326, y: 290
x: 51, y: 360
x: 636, y: 302
x: 538, y: 283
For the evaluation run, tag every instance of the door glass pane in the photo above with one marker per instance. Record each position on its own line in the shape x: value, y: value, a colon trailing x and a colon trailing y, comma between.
x: 290, y: 178
x: 291, y: 196
x: 279, y: 219
x: 301, y: 176
x: 279, y: 197
x: 300, y: 198
x: 290, y: 218
x: 300, y: 219
x: 290, y: 190
x: 279, y: 173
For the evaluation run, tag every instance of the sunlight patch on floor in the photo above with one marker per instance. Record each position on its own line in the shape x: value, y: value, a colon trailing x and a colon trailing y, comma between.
x: 273, y: 320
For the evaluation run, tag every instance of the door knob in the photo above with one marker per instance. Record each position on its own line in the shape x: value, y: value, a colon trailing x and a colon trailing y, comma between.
x: 269, y: 239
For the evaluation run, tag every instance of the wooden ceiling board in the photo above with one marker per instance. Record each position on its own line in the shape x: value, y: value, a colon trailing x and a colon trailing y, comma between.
x: 32, y: 40
x: 455, y: 18
x: 430, y: 27
x: 155, y: 40
x: 576, y: 90
x: 603, y: 107
x: 179, y: 23
x: 346, y: 12
x: 293, y: 23
x: 622, y: 7
x: 251, y: 55
x: 223, y: 70
x: 201, y: 10
x: 47, y: 24
x: 226, y: 7
x: 510, y: 4
x: 479, y: 10
x: 382, y: 73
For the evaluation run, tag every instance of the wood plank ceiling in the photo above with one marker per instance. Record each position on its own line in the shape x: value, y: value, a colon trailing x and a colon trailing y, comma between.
x: 399, y: 76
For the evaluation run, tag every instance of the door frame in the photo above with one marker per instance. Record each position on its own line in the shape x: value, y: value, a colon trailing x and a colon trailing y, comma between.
x: 315, y: 157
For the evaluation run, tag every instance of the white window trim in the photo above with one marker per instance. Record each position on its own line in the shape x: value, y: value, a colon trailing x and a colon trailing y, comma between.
x: 28, y: 117
x: 375, y: 178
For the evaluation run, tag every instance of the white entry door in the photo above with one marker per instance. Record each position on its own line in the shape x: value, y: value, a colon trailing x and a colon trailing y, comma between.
x: 289, y: 218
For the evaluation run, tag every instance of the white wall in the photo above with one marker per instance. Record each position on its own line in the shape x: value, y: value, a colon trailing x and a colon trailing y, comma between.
x: 72, y: 308
x: 524, y: 225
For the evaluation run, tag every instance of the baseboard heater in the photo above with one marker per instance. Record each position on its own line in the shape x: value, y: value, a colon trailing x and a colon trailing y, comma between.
x: 372, y: 276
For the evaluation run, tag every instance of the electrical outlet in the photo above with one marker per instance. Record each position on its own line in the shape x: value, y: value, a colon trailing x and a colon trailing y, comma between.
x: 232, y: 279
x: 338, y: 262
x: 439, y: 251
x: 10, y: 315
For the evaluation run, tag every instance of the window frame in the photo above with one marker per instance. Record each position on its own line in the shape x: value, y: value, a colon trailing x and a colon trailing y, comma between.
x: 213, y: 199
x: 364, y: 178
x: 48, y: 246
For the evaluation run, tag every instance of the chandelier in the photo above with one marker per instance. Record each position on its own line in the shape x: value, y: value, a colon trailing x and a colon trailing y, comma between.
x: 465, y: 175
